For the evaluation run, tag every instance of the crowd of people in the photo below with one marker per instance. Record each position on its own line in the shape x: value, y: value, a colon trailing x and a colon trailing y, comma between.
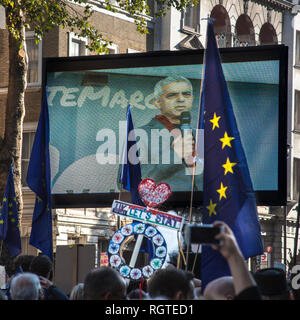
x: 32, y: 280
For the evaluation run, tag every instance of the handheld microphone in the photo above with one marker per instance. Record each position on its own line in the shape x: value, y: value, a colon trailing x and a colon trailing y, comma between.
x: 185, y: 120
x: 185, y: 124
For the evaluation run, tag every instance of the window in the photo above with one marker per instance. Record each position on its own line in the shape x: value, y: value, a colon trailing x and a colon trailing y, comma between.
x: 28, y: 138
x: 34, y: 55
x: 129, y: 50
x: 191, y: 18
x: 77, y: 45
x: 297, y: 111
x: 112, y: 49
x: 296, y: 179
x: 297, y: 58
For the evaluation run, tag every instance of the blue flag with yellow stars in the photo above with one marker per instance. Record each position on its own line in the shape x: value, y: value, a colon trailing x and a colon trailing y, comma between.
x: 38, y: 180
x: 228, y: 193
x: 9, y: 221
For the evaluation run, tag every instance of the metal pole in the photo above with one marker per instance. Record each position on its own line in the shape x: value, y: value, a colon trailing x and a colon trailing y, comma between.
x: 297, y: 233
x: 284, y: 236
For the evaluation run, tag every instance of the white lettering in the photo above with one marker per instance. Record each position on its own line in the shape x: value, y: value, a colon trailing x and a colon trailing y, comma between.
x: 67, y: 96
x: 88, y: 92
x: 119, y: 98
x: 135, y: 98
x: 52, y: 91
x: 295, y: 280
x: 106, y: 153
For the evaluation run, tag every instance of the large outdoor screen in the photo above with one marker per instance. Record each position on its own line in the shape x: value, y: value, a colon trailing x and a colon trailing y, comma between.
x: 88, y: 99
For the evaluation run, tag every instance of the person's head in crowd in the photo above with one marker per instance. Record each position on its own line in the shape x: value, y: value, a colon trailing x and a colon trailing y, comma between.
x: 104, y: 283
x: 42, y: 266
x: 172, y: 96
x: 175, y: 284
x: 273, y: 284
x: 220, y: 289
x: 24, y: 262
x: 25, y: 286
x: 133, y: 285
x: 137, y: 294
x: 77, y: 292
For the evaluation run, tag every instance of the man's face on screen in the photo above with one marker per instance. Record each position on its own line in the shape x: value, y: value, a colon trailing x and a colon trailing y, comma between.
x: 176, y: 97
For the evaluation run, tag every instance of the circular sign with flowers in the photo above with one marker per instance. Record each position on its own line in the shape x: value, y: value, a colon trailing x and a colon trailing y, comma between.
x: 135, y: 229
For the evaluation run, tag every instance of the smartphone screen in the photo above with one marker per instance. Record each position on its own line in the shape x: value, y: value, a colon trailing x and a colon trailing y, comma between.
x: 203, y: 234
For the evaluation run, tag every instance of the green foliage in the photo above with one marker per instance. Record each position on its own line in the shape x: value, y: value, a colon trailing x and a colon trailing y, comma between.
x: 41, y: 16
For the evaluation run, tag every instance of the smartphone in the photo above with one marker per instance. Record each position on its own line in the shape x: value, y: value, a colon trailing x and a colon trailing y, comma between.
x: 202, y: 234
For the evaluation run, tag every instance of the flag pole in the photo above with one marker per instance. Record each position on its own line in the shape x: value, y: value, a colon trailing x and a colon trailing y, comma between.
x: 118, y: 217
x: 297, y: 233
x: 190, y: 214
x: 194, y: 166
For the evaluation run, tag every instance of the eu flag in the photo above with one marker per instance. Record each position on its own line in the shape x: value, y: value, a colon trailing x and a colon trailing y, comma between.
x: 131, y: 175
x: 9, y: 221
x: 228, y: 193
x: 38, y: 180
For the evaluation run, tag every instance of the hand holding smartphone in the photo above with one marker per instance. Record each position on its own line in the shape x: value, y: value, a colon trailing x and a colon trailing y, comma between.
x: 202, y: 234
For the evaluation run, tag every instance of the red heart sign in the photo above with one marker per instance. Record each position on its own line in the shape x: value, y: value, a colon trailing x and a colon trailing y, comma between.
x: 153, y: 194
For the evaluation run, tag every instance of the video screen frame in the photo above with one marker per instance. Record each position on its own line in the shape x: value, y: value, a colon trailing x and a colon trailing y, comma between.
x: 163, y: 58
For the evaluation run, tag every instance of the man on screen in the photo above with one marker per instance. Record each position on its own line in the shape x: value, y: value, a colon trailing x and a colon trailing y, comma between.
x: 168, y: 156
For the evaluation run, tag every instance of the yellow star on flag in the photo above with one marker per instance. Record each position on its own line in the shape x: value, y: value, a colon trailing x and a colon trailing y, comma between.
x: 215, y: 121
x: 1, y: 221
x: 10, y: 204
x: 228, y: 166
x: 211, y: 208
x: 4, y: 199
x: 10, y: 213
x: 222, y: 191
x: 226, y: 140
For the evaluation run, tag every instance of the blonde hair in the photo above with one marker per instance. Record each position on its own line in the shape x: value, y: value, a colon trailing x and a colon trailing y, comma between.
x: 77, y: 292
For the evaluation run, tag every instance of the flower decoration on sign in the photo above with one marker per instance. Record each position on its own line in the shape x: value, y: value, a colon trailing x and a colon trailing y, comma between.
x: 156, y: 263
x: 126, y: 230
x: 115, y: 260
x: 158, y: 240
x: 118, y: 237
x: 113, y: 248
x: 161, y: 252
x: 147, y: 271
x: 137, y: 228
x: 125, y: 270
x: 150, y: 232
x: 135, y: 274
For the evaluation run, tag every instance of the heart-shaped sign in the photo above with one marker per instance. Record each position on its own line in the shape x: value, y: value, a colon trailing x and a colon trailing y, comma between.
x: 153, y: 194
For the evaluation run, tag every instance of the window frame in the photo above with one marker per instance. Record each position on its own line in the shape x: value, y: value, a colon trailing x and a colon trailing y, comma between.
x: 297, y: 51
x: 112, y: 46
x: 196, y: 16
x: 81, y: 40
x: 296, y: 173
x: 28, y: 127
x: 30, y: 35
x: 297, y: 111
